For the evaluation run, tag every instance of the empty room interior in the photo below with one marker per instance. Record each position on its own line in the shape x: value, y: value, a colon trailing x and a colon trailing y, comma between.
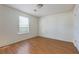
x: 39, y: 29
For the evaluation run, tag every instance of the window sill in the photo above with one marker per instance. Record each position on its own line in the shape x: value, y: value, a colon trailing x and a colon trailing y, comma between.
x: 23, y: 33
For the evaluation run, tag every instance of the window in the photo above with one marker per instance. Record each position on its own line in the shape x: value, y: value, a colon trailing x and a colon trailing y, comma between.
x: 23, y: 25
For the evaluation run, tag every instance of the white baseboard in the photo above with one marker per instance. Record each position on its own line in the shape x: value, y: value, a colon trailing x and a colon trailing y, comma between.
x: 16, y: 41
x: 55, y: 38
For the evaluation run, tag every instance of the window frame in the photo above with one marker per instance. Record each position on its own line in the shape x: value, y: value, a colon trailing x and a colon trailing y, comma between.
x: 19, y: 32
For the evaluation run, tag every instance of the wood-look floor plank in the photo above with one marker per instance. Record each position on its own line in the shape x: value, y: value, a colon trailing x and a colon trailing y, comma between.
x: 40, y: 45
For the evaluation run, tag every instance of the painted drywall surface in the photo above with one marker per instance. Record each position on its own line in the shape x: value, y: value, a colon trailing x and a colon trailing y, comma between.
x: 9, y: 26
x: 76, y: 26
x: 59, y: 26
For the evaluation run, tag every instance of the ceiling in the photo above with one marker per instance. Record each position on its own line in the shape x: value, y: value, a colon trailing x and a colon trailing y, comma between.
x: 47, y: 9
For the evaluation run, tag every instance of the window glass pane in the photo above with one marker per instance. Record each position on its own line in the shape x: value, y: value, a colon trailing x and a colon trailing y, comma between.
x: 23, y: 21
x: 23, y: 29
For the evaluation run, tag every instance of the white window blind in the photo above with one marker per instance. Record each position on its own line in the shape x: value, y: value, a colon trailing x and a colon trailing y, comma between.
x: 23, y: 24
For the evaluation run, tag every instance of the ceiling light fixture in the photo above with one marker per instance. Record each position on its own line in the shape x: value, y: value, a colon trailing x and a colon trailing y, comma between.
x: 38, y: 6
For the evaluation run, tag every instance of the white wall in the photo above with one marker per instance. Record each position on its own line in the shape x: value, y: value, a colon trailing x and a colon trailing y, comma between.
x: 58, y: 26
x: 76, y: 26
x: 9, y: 26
